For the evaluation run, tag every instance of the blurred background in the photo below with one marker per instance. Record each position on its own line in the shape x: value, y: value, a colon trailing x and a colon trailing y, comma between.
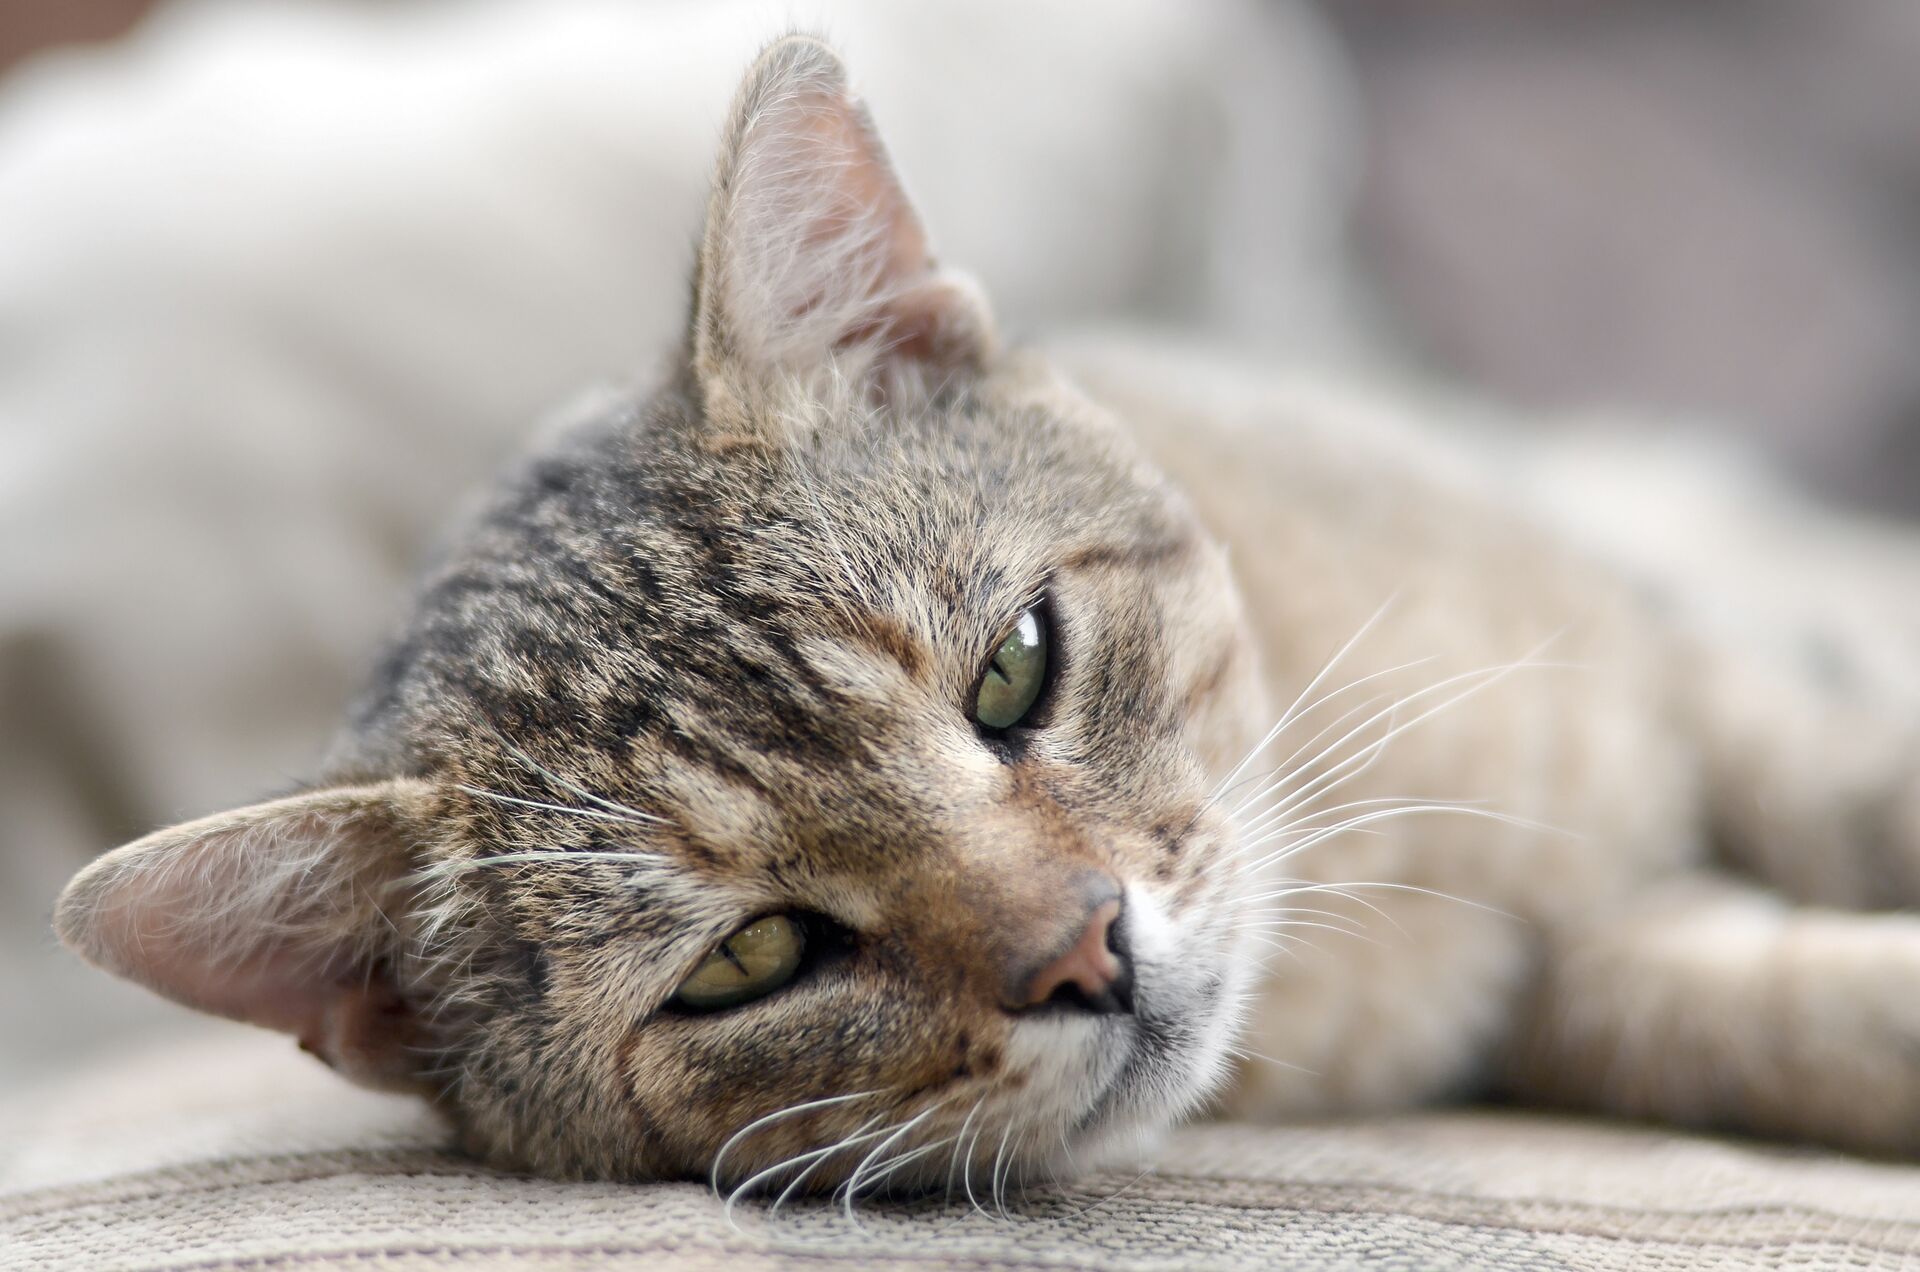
x: 280, y: 283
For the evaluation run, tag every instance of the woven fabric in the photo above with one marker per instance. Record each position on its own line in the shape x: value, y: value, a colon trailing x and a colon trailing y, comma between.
x: 230, y: 1150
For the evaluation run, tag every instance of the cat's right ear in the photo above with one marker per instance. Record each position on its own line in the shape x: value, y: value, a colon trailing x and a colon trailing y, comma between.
x: 277, y: 914
x: 813, y: 256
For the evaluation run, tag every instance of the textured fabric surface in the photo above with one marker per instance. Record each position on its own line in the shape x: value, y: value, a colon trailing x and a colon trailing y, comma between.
x: 230, y: 1150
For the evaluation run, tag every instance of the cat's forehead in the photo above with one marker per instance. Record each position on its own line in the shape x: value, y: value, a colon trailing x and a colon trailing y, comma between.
x: 714, y: 628
x: 991, y: 483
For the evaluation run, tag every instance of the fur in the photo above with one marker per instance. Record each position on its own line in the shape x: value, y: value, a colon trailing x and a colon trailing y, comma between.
x: 708, y: 655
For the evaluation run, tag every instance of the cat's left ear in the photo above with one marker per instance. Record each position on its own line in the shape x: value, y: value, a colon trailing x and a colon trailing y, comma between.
x: 277, y: 914
x: 813, y: 254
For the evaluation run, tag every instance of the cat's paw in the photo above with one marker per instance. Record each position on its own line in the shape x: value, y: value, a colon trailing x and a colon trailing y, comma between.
x: 1710, y: 1002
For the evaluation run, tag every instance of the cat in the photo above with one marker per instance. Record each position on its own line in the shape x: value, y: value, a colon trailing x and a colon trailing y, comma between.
x: 868, y: 760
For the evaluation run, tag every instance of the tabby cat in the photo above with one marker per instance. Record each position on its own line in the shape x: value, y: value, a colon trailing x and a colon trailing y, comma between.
x: 864, y: 760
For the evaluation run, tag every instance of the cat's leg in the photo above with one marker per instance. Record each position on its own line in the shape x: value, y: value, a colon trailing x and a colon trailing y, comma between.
x: 1797, y: 656
x: 1708, y: 1001
x: 1812, y: 776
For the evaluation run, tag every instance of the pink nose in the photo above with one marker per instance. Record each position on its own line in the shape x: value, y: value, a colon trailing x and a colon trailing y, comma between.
x: 1089, y: 974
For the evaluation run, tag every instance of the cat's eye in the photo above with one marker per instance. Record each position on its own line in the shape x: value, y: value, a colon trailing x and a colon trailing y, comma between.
x: 750, y: 964
x: 1015, y: 674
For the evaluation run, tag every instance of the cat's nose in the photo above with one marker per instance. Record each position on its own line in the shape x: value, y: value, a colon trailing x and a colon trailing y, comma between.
x: 1093, y: 975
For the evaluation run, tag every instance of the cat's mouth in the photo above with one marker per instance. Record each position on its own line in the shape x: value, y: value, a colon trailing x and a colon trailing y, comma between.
x: 1141, y: 1072
x: 1163, y: 1067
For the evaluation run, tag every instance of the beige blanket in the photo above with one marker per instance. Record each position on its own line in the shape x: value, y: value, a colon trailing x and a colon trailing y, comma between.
x: 230, y: 1150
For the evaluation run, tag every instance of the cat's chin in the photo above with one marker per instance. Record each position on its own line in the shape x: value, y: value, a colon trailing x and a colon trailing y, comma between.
x: 1160, y: 1076
x: 1120, y: 1085
x: 1170, y: 1071
x: 1096, y: 1103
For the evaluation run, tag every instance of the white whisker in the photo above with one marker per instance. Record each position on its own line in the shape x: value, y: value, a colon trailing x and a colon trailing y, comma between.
x: 820, y: 1156
x: 1342, y: 889
x: 1270, y: 777
x: 1482, y: 678
x: 442, y: 869
x: 995, y: 1181
x: 888, y: 1167
x: 1264, y: 828
x: 611, y: 806
x: 814, y: 1157
x: 780, y: 1115
x: 1388, y: 814
x: 1249, y: 1053
x: 1287, y: 715
x: 959, y: 1143
x: 851, y: 1188
x: 564, y: 809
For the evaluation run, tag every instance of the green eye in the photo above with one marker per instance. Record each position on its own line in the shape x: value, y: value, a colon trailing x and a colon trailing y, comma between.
x: 750, y: 964
x: 1014, y: 675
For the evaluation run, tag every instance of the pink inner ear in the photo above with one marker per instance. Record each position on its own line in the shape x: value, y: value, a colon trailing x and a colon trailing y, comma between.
x: 813, y: 245
x: 835, y: 147
x: 233, y: 921
x: 264, y: 915
x: 856, y: 223
x: 270, y: 982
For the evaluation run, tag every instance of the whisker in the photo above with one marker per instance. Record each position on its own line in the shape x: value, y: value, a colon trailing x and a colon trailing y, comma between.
x: 999, y: 1197
x: 1264, y: 827
x: 1487, y: 678
x: 1280, y: 943
x: 966, y: 1170
x: 1342, y: 889
x: 1284, y: 765
x: 567, y: 810
x: 888, y: 1167
x: 611, y: 806
x: 1276, y: 928
x: 780, y: 1115
x: 1280, y: 919
x: 441, y: 869
x: 851, y: 1188
x: 1287, y: 715
x: 1264, y: 775
x: 814, y: 1156
x: 1249, y: 1053
x: 1270, y: 777
x: 1296, y: 887
x: 1389, y: 814
x: 1141, y: 1174
x: 959, y: 1140
x: 860, y: 1135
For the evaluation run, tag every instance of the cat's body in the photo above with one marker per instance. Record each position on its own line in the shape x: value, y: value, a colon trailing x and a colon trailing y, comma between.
x: 1716, y: 739
x: 850, y: 762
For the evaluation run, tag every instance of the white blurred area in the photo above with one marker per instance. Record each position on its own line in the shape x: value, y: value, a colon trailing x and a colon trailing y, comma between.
x: 280, y: 282
x: 283, y: 281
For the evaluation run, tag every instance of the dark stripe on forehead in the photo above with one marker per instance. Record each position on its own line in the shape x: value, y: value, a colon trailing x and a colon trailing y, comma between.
x: 1135, y: 555
x: 887, y: 635
x: 824, y: 694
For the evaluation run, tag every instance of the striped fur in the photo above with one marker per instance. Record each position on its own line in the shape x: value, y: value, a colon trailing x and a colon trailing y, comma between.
x: 708, y: 656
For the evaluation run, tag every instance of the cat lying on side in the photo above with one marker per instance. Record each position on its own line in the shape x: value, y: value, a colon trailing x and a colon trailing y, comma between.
x: 867, y: 761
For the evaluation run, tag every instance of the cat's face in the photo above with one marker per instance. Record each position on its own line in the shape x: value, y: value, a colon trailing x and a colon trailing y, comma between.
x: 818, y: 753
x: 779, y: 676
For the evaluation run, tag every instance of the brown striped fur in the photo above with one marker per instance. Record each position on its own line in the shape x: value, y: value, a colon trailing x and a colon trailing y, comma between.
x: 709, y: 657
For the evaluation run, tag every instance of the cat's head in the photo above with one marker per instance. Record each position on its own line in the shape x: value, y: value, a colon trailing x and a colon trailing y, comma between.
x: 817, y: 752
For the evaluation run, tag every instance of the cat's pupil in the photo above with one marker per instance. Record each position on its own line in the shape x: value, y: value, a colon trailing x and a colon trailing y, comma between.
x: 750, y: 964
x: 1014, y: 676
